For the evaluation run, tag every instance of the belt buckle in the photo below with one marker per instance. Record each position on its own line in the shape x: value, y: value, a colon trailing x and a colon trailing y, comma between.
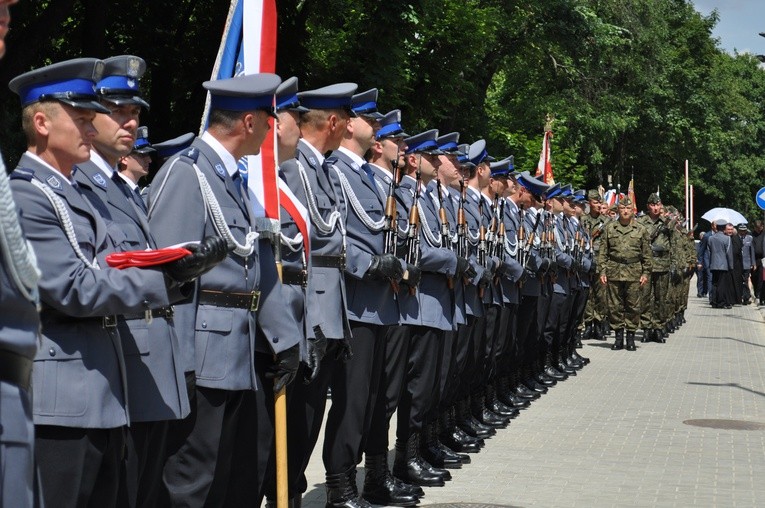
x: 342, y: 260
x: 109, y: 321
x: 255, y: 301
x: 303, y: 278
x: 169, y: 312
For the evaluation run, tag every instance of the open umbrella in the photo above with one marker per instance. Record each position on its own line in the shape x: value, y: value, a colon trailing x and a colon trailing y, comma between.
x: 730, y: 215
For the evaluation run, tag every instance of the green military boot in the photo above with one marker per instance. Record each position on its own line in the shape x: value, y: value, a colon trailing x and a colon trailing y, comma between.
x: 619, y: 344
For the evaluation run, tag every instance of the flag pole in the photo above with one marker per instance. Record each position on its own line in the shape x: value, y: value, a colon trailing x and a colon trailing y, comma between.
x: 691, y: 207
x: 687, y: 203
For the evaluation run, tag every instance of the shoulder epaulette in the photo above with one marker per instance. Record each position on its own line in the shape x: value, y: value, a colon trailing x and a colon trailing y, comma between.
x: 191, y: 153
x: 22, y: 174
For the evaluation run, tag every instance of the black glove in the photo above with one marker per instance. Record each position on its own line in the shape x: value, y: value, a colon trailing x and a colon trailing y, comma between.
x: 462, y: 266
x: 204, y: 256
x: 486, y: 278
x: 413, y: 275
x: 344, y: 351
x: 315, y: 351
x: 385, y: 266
x: 285, y: 367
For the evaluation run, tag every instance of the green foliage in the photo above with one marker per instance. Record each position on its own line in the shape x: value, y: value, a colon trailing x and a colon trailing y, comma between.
x: 635, y: 88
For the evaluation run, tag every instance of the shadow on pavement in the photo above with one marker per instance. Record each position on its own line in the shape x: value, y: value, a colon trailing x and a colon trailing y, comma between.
x: 735, y: 339
x: 735, y: 385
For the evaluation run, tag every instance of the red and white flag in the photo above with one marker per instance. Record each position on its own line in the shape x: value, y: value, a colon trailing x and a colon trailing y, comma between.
x: 544, y: 166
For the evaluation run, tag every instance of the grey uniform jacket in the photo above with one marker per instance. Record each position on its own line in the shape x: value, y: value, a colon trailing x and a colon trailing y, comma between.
x: 79, y: 371
x: 432, y: 304
x: 460, y: 316
x: 157, y: 387
x: 325, y: 292
x: 563, y: 242
x: 217, y: 342
x: 492, y: 294
x: 19, y: 334
x: 473, y: 219
x: 748, y: 252
x: 369, y: 300
x: 510, y: 267
x: 532, y: 285
x: 720, y: 252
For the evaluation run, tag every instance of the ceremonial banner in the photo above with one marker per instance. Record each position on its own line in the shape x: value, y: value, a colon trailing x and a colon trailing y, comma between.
x: 544, y: 166
x: 631, y: 194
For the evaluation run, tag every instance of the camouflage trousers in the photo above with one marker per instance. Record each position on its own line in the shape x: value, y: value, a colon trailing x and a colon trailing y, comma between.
x: 656, y: 304
x: 624, y: 303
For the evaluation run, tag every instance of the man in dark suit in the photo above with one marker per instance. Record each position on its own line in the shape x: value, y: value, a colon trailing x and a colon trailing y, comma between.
x: 721, y: 266
x: 737, y: 246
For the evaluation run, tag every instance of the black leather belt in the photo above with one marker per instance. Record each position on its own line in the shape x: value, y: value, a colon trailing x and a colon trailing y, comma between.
x: 294, y: 277
x: 104, y: 321
x: 625, y: 261
x: 328, y: 262
x: 163, y: 312
x: 249, y: 301
x: 15, y: 369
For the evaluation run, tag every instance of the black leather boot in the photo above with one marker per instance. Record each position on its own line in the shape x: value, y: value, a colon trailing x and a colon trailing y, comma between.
x: 587, y: 335
x: 495, y: 406
x: 551, y: 371
x: 535, y: 386
x: 658, y: 336
x: 469, y: 424
x: 484, y: 415
x: 619, y: 344
x: 631, y: 341
x: 581, y: 359
x: 380, y: 486
x: 578, y: 339
x: 560, y: 364
x: 409, y: 466
x: 538, y: 373
x: 508, y: 397
x: 455, y: 438
x: 443, y: 425
x: 433, y: 453
x: 340, y: 492
x: 597, y: 330
x: 647, y: 332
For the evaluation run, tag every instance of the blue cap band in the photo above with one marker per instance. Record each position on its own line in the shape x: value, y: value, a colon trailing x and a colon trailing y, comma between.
x: 230, y: 103
x: 388, y: 130
x: 141, y: 142
x: 325, y: 102
x: 75, y: 86
x: 427, y: 144
x: 365, y: 107
x: 450, y: 146
x: 290, y: 101
x: 118, y: 83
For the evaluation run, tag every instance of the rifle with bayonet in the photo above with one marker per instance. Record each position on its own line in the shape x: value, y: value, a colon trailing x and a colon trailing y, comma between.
x: 446, y: 238
x: 391, y: 226
x: 413, y: 233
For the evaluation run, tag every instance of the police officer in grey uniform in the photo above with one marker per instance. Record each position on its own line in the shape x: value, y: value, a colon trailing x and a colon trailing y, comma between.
x: 309, y: 175
x: 19, y: 336
x: 157, y: 386
x: 80, y: 390
x: 234, y: 333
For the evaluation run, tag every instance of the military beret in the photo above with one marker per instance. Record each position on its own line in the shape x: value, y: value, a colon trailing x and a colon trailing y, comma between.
x: 286, y: 96
x: 71, y: 82
x: 424, y: 142
x: 119, y: 83
x: 593, y: 194
x: 244, y: 93
x: 142, y: 144
x: 390, y: 126
x: 653, y: 199
x: 365, y: 104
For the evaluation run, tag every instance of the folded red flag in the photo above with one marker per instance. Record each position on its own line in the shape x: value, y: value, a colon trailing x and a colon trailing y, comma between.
x: 145, y: 258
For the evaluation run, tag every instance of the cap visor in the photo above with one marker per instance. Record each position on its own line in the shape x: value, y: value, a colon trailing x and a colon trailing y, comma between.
x: 86, y: 104
x: 144, y: 150
x: 122, y: 100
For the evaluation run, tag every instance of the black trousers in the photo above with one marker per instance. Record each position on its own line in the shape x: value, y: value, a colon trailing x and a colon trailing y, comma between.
x: 419, y: 397
x: 578, y: 304
x: 448, y: 371
x: 393, y: 376
x: 484, y: 348
x: 463, y: 361
x: 81, y: 467
x: 505, y: 356
x: 146, y: 455
x: 557, y: 320
x: 226, y: 445
x: 527, y: 330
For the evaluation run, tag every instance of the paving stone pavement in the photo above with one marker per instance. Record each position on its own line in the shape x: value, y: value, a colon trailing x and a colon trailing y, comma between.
x: 614, y: 435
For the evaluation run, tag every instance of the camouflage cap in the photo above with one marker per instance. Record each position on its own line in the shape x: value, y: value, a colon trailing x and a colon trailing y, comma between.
x: 653, y: 199
x: 593, y: 194
x: 626, y: 202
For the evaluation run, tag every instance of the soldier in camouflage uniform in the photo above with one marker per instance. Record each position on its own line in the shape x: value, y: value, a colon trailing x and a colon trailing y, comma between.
x: 655, y: 312
x: 624, y: 263
x: 677, y: 266
x: 595, y: 313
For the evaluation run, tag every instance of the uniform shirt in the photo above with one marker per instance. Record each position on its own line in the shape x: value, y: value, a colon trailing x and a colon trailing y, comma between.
x: 625, y: 252
x: 660, y: 234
